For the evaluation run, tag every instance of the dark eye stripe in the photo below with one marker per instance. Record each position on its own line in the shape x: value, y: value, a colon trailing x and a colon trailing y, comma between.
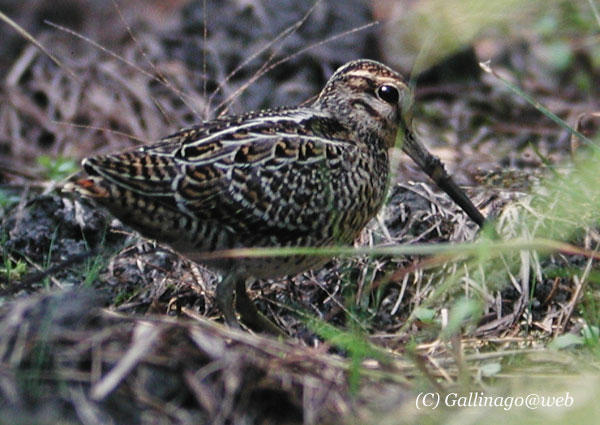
x: 365, y: 106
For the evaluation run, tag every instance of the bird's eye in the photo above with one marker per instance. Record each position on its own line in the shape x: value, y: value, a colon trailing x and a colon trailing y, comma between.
x: 388, y: 94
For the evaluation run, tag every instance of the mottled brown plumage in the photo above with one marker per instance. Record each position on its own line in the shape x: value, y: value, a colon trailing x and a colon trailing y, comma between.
x: 302, y: 176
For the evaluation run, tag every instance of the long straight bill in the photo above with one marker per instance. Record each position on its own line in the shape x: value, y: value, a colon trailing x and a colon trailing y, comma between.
x: 434, y: 168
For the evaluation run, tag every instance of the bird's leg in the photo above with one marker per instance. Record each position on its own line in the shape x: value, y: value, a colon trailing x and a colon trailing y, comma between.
x: 249, y: 313
x: 224, y: 298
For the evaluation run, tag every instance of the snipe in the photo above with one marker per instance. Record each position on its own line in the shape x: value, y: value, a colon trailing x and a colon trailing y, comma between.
x: 297, y: 176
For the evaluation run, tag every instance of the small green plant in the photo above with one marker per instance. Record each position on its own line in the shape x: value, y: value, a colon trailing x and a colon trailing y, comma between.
x: 57, y: 168
x: 123, y: 296
x: 95, y: 263
x: 48, y: 258
x: 354, y: 342
x: 7, y: 198
x: 94, y: 266
x: 11, y: 271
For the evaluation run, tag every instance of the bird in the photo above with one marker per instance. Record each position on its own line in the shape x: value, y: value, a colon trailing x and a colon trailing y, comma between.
x: 302, y: 176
